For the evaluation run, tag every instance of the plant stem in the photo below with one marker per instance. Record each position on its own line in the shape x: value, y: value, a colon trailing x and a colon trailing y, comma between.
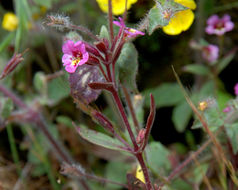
x: 148, y: 183
x: 13, y: 148
x: 131, y: 108
x: 138, y: 155
x: 124, y: 117
x: 110, y: 22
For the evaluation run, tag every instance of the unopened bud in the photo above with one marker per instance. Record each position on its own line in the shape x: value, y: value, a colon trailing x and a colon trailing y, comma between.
x: 141, y: 136
x: 12, y: 64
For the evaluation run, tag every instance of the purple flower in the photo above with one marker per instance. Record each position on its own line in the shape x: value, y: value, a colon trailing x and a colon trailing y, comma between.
x: 236, y: 89
x: 227, y: 109
x: 75, y: 54
x: 129, y: 32
x: 219, y: 26
x: 210, y: 53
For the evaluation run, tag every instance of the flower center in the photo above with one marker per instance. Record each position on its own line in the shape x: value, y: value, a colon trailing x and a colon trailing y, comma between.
x: 76, y: 61
x: 219, y: 25
x: 132, y: 30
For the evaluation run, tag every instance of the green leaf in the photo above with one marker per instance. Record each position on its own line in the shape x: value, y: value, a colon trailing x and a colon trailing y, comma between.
x: 157, y: 17
x: 116, y: 171
x: 7, y: 108
x: 222, y: 99
x: 104, y: 32
x: 199, y: 172
x: 157, y: 156
x: 225, y: 61
x: 181, y: 116
x: 167, y: 94
x: 58, y: 89
x: 99, y: 139
x: 128, y: 66
x: 6, y: 41
x: 213, y: 118
x: 197, y: 69
x: 23, y: 13
x: 232, y: 132
x: 39, y: 81
x: 46, y: 4
x: 179, y: 184
x: 65, y: 121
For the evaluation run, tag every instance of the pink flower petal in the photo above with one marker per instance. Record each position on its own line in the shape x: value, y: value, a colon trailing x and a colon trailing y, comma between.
x: 67, y: 59
x: 68, y: 47
x: 70, y: 68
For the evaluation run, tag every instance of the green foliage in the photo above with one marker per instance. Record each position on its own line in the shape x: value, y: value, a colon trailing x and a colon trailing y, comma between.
x: 6, y: 108
x: 222, y: 99
x: 213, y: 117
x: 197, y: 69
x: 128, y: 66
x: 64, y: 120
x: 232, y: 132
x: 99, y: 139
x: 167, y: 94
x: 104, y: 32
x: 6, y: 41
x: 225, y: 61
x: 58, y: 88
x: 157, y: 156
x: 116, y: 171
x: 181, y: 116
x: 180, y: 184
x: 156, y: 16
x: 39, y: 82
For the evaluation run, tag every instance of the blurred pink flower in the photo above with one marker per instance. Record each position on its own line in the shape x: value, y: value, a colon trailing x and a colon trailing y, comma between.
x: 210, y: 53
x: 130, y: 32
x: 236, y: 89
x: 75, y: 54
x: 227, y: 109
x: 219, y: 26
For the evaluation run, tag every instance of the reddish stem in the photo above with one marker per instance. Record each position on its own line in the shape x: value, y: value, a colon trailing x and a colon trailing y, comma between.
x: 110, y: 20
x: 131, y: 108
x: 124, y: 117
x: 144, y: 168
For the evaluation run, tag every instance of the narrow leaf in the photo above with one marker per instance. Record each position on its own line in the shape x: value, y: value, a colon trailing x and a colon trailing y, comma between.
x: 100, y: 139
x: 197, y: 69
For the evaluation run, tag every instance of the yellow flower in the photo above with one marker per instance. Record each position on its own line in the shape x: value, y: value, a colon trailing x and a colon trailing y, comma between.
x: 139, y: 173
x: 10, y: 22
x: 118, y: 6
x: 181, y: 21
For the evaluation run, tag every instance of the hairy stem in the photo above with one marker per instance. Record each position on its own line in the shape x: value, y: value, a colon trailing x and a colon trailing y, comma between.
x: 144, y: 168
x: 124, y: 117
x: 131, y: 108
x: 110, y: 20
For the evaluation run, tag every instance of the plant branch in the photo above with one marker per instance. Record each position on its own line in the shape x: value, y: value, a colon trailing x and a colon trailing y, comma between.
x: 131, y: 108
x: 124, y: 117
x: 110, y: 20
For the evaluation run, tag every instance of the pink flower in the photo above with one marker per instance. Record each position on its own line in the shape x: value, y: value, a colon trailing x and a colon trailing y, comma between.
x: 129, y: 32
x: 75, y: 54
x: 219, y: 26
x: 236, y: 89
x: 227, y: 109
x: 210, y: 53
